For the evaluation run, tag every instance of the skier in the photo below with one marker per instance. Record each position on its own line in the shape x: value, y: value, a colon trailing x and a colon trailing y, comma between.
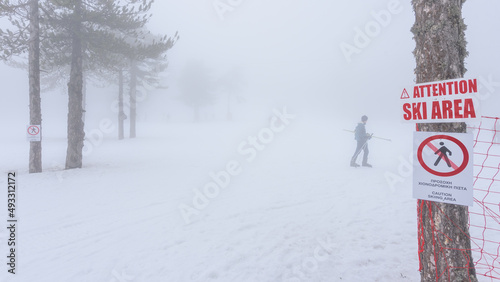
x: 362, y: 139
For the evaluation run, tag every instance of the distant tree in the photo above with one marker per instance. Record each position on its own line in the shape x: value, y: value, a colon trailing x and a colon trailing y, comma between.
x: 24, y: 15
x: 133, y: 97
x: 146, y: 60
x: 231, y: 84
x: 121, y: 113
x: 440, y: 52
x: 196, y: 86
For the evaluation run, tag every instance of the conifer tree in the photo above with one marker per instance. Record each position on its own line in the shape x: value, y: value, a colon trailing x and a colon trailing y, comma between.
x: 445, y: 253
x: 89, y: 35
x: 24, y: 15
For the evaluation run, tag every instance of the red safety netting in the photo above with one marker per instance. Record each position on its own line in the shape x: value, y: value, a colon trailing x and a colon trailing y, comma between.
x: 484, y: 216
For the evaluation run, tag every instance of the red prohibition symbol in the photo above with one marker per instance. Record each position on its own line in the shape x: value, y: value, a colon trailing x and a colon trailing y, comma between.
x: 33, y: 130
x: 438, y: 173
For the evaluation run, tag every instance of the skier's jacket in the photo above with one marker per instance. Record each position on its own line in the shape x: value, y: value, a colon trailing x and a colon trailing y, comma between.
x: 360, y: 133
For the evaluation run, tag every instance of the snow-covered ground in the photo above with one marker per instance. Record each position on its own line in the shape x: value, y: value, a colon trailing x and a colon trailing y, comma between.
x: 291, y: 208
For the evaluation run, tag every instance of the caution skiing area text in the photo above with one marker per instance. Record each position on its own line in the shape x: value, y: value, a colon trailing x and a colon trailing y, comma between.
x: 443, y: 167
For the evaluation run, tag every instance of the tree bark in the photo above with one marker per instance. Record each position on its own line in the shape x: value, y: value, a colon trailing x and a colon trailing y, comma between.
x: 35, y: 155
x: 444, y: 240
x: 121, y: 113
x: 133, y: 97
x: 84, y: 96
x: 76, y: 133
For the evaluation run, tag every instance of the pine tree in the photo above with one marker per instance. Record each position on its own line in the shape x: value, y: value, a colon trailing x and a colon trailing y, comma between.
x: 147, y: 59
x: 231, y: 83
x: 145, y: 74
x: 121, y: 113
x: 133, y: 97
x: 25, y: 15
x: 35, y: 158
x: 440, y: 52
x: 196, y: 87
x: 89, y: 35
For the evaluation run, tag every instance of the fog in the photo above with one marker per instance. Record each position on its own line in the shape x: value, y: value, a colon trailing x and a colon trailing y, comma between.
x: 320, y: 59
x: 290, y: 52
x: 253, y: 181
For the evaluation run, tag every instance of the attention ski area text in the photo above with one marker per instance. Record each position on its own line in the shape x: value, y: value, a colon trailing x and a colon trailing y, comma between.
x: 436, y: 101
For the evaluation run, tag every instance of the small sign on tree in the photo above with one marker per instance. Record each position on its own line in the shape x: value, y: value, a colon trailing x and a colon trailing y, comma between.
x: 33, y: 133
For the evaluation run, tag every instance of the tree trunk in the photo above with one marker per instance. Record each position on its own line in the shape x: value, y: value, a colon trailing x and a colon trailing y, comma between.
x: 121, y: 113
x: 35, y: 156
x: 76, y: 133
x: 84, y: 97
x: 444, y: 241
x: 133, y: 95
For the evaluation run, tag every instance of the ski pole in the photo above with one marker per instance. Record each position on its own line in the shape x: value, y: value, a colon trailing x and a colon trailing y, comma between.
x: 381, y: 138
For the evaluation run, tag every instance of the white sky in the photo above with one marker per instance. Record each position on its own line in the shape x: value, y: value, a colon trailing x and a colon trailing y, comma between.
x: 291, y: 49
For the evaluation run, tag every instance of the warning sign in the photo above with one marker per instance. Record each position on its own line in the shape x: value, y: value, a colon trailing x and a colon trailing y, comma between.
x: 441, y: 101
x: 405, y: 94
x: 33, y: 133
x: 442, y: 168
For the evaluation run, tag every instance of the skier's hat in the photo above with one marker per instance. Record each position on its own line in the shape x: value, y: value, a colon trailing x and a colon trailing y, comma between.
x: 364, y: 118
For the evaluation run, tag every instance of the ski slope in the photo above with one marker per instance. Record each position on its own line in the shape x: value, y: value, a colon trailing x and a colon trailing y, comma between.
x: 295, y: 211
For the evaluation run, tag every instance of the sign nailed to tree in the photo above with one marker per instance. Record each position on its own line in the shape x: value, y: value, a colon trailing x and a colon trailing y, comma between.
x: 442, y: 168
x: 33, y: 133
x: 441, y: 101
